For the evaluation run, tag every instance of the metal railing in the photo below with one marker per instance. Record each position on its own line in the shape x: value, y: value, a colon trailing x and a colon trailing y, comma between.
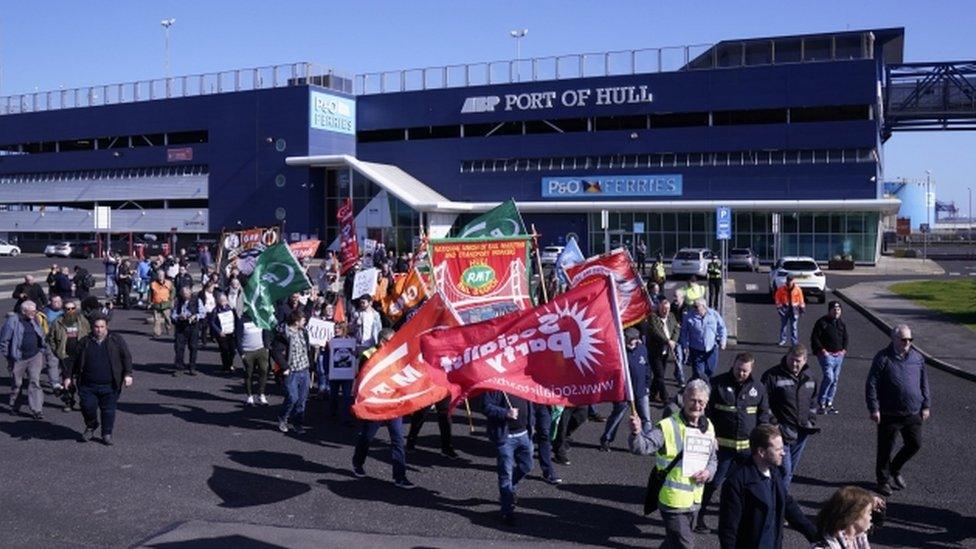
x: 728, y: 54
x: 273, y: 76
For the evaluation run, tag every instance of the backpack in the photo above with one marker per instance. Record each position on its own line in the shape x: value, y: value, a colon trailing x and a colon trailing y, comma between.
x: 88, y: 281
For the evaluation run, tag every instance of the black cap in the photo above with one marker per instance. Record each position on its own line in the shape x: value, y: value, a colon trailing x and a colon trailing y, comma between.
x: 631, y: 333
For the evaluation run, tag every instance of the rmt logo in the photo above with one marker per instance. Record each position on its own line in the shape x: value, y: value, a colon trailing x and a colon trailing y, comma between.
x: 480, y: 104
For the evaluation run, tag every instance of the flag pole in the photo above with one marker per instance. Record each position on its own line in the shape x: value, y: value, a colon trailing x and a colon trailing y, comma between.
x: 467, y: 408
x: 538, y: 260
x: 623, y: 345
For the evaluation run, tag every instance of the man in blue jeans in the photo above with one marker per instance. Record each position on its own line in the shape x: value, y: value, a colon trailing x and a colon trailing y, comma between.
x: 291, y: 349
x: 829, y: 341
x: 638, y: 367
x: 702, y: 335
x: 368, y: 429
x: 508, y: 428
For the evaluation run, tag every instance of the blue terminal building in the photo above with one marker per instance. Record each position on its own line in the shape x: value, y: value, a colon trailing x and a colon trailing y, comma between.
x: 613, y: 148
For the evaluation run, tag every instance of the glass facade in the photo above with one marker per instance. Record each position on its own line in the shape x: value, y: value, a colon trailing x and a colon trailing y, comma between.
x: 820, y: 235
x: 399, y: 233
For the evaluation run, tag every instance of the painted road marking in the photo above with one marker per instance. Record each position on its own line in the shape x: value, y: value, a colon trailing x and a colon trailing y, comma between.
x: 752, y: 287
x: 954, y: 274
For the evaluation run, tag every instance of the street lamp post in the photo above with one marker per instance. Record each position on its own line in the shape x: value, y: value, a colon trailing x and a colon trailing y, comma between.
x: 929, y: 204
x: 518, y: 35
x: 167, y: 23
x: 970, y: 189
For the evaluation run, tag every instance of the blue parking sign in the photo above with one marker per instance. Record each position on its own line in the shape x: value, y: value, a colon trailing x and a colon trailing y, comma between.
x: 723, y: 223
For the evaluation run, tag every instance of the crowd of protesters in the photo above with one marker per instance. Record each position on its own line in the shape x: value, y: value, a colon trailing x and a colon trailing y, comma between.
x: 759, y: 424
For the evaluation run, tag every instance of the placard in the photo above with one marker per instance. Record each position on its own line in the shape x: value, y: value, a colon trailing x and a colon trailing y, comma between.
x: 369, y: 246
x: 365, y: 283
x: 320, y: 332
x: 698, y: 448
x: 343, y: 360
x: 226, y: 319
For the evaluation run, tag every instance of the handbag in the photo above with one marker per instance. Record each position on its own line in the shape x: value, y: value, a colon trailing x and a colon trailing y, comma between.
x: 655, y: 482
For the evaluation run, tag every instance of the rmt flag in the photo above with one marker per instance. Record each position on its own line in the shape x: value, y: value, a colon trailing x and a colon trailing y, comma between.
x: 567, y: 352
x: 393, y: 382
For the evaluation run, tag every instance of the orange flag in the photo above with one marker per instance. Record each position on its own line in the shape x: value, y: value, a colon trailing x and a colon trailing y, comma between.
x: 408, y: 291
x: 339, y: 315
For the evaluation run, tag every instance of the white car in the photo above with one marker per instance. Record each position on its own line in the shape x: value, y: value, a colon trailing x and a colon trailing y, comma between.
x: 549, y: 254
x: 806, y: 275
x: 59, y: 249
x: 7, y: 248
x: 691, y: 261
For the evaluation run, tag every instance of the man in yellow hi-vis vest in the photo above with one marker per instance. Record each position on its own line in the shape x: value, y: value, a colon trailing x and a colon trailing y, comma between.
x: 681, y: 494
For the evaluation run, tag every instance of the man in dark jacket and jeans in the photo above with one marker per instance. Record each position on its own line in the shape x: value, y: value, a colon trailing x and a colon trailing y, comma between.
x: 793, y: 403
x: 756, y: 499
x: 508, y: 428
x: 829, y: 342
x: 897, y: 394
x: 103, y: 367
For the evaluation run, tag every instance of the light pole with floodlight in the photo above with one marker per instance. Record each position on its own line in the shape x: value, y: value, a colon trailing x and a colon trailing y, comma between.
x: 167, y: 23
x: 518, y: 35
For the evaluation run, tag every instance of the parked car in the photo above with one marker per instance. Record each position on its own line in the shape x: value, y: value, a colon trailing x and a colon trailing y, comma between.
x: 549, y: 254
x: 58, y: 249
x: 691, y: 261
x: 806, y: 274
x: 743, y: 258
x: 7, y: 248
x: 87, y: 249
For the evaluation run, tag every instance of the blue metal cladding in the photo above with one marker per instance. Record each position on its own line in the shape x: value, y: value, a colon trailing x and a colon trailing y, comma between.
x: 243, y: 130
x: 437, y: 162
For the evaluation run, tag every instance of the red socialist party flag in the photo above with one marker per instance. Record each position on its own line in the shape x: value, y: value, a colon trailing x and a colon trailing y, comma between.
x: 348, y: 244
x: 567, y: 352
x: 393, y: 382
x: 632, y: 299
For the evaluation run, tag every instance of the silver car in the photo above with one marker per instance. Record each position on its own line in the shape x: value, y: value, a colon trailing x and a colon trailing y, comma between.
x: 691, y: 261
x: 743, y: 259
x: 59, y: 249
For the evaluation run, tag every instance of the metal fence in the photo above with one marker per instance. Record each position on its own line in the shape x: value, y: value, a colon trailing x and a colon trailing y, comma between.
x: 273, y: 76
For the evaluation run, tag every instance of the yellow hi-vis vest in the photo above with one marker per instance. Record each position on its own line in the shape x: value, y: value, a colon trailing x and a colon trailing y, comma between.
x: 659, y: 269
x: 679, y: 491
x: 693, y: 292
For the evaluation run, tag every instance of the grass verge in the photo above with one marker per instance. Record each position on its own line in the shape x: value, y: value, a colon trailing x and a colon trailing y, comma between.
x: 954, y: 298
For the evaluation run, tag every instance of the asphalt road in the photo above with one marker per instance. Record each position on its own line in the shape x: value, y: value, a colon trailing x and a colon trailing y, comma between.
x: 187, y: 450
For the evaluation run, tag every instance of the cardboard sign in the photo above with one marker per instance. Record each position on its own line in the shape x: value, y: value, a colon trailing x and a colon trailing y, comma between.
x: 320, y: 332
x: 365, y: 283
x: 226, y: 319
x: 369, y: 246
x: 343, y: 359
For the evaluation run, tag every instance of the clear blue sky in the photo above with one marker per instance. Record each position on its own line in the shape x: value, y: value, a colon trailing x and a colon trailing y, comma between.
x: 71, y: 43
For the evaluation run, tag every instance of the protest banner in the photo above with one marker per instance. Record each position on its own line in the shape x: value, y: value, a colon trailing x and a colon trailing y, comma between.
x: 348, y: 244
x: 304, y: 249
x: 568, y: 352
x: 240, y: 249
x: 393, y: 382
x: 369, y: 246
x: 226, y: 320
x: 343, y: 360
x: 482, y: 278
x: 320, y: 331
x: 365, y: 282
x: 697, y: 450
x: 632, y: 298
x: 501, y: 221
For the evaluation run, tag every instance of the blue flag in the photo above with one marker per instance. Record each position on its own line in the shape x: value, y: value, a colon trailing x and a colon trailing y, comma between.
x: 571, y: 255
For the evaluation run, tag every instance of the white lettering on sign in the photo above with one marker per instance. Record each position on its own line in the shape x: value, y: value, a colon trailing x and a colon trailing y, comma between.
x: 531, y: 101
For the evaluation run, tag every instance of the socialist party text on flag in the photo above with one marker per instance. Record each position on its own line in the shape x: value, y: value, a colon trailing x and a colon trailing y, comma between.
x: 567, y: 352
x: 276, y: 275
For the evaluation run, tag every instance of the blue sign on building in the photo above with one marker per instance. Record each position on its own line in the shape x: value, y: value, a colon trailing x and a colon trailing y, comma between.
x: 611, y: 186
x: 332, y: 113
x: 723, y: 223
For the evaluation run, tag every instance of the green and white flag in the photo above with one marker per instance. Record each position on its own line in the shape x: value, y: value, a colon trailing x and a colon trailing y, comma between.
x: 276, y: 275
x: 502, y: 221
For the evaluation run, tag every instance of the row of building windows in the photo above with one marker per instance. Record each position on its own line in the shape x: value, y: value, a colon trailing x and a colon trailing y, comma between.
x: 114, y: 204
x: 796, y: 115
x: 170, y: 139
x: 670, y: 160
x: 123, y: 173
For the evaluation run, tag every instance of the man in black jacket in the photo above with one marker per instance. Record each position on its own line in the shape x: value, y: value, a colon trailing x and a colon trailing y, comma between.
x: 829, y: 342
x: 103, y: 366
x: 793, y: 403
x: 182, y: 280
x: 188, y: 314
x: 756, y: 500
x: 897, y: 394
x: 29, y: 289
x: 738, y: 404
x: 83, y: 281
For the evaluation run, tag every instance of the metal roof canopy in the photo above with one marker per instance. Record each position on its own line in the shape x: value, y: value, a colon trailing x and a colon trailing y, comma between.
x: 422, y: 198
